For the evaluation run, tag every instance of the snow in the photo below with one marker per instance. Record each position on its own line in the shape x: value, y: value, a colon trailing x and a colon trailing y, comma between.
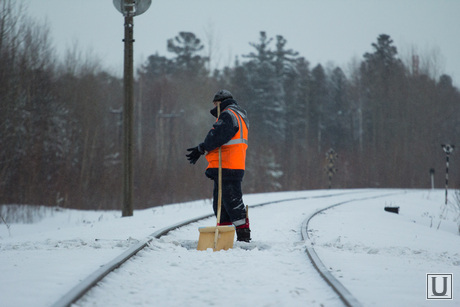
x: 382, y: 258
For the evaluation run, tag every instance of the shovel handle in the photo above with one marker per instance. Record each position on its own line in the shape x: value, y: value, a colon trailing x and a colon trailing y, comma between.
x: 219, y: 178
x: 219, y: 192
x: 216, y: 238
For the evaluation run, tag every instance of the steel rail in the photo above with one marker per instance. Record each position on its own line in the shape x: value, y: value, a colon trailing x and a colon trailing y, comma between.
x: 89, y: 282
x: 85, y: 285
x: 345, y: 296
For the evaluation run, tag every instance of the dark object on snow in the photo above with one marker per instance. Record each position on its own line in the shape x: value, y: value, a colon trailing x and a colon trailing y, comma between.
x: 392, y: 209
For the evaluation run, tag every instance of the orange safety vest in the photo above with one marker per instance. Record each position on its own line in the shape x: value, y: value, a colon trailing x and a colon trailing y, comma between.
x: 234, y: 151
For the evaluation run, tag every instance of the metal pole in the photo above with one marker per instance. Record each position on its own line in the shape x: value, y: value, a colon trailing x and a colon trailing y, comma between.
x: 128, y: 115
x: 331, y: 156
x: 129, y: 9
x: 447, y: 175
x: 432, y: 178
x: 448, y: 149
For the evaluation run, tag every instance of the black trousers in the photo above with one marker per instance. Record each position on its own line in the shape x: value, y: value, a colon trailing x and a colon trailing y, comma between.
x: 233, y: 209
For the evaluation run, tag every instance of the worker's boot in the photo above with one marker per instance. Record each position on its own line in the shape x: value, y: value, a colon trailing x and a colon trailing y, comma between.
x: 243, y: 233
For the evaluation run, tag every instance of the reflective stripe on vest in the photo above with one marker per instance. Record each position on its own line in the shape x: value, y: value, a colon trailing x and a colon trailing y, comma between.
x: 234, y: 151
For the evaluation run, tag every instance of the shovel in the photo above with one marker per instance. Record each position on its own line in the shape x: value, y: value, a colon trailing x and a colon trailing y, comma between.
x: 217, y: 237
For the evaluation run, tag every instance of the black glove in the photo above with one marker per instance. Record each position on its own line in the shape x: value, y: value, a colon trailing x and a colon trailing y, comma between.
x: 195, y: 154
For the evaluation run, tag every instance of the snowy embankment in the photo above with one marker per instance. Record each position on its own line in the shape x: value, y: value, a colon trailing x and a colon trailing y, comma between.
x: 381, y: 257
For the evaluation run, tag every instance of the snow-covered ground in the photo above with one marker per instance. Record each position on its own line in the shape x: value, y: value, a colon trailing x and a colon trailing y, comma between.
x: 382, y: 258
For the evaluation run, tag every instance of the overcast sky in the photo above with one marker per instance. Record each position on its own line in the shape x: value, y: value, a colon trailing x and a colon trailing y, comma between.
x: 322, y: 31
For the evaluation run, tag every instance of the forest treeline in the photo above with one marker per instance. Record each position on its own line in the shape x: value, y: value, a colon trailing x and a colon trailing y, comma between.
x: 61, y: 120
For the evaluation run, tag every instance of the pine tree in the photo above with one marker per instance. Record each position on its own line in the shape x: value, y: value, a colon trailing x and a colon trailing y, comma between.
x: 318, y: 102
x: 379, y: 71
x: 337, y: 114
x: 186, y: 46
x: 266, y: 109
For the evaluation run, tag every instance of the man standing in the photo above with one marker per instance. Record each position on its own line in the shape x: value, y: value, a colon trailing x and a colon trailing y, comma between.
x: 230, y: 132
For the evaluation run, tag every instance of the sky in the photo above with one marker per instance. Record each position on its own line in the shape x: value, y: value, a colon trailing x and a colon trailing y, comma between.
x: 325, y: 32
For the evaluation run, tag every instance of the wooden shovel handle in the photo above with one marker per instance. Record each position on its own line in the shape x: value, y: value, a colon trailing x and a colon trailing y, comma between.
x: 219, y: 192
x: 219, y: 178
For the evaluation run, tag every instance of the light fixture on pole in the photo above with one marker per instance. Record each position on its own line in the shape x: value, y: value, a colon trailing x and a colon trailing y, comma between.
x: 136, y: 7
x: 129, y: 9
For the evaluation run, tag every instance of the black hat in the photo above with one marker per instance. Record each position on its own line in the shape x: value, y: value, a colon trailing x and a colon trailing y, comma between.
x: 222, y: 95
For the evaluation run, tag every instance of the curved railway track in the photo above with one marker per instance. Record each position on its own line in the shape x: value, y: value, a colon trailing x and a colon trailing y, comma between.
x: 344, y: 295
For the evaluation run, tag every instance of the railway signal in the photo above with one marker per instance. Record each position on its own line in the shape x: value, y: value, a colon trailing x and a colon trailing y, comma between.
x: 448, y: 149
x: 331, y: 157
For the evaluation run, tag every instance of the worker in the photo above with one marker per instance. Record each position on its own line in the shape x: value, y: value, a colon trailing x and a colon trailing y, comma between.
x: 230, y: 133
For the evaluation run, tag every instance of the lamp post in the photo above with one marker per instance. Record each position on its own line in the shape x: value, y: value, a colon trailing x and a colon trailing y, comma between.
x: 129, y: 9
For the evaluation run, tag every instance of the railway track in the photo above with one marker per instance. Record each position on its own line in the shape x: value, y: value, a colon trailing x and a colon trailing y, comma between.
x: 343, y: 294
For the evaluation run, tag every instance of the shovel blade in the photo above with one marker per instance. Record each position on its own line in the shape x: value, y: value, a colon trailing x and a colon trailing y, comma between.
x: 216, y: 237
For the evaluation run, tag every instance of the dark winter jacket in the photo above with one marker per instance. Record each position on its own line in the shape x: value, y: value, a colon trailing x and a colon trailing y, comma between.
x: 223, y: 131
